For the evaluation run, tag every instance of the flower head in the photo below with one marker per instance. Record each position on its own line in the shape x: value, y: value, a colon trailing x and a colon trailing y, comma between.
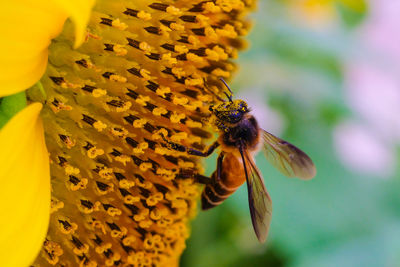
x: 138, y: 76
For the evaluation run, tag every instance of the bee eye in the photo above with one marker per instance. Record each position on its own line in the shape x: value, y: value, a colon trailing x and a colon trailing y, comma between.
x: 211, y: 108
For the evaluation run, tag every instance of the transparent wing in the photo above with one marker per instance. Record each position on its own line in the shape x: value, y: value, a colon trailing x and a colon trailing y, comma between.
x: 287, y: 158
x: 259, y: 200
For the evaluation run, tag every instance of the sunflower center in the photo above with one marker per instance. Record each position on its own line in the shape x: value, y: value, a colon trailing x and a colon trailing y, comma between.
x: 138, y: 76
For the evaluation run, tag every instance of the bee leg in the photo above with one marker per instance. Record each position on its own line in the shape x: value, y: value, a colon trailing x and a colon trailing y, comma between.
x: 191, y: 151
x: 188, y: 173
x: 209, y: 151
x: 197, y: 177
x: 219, y: 165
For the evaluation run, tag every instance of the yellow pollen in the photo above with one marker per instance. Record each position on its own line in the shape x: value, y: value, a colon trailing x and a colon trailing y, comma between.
x: 174, y: 11
x: 177, y: 27
x: 221, y: 73
x: 145, y: 74
x: 210, y: 33
x: 180, y: 100
x: 99, y: 126
x: 106, y: 173
x: 169, y: 60
x: 125, y: 184
x: 194, y: 58
x: 129, y: 240
x: 94, y: 152
x: 163, y: 90
x: 161, y: 151
x: 69, y: 170
x: 181, y: 48
x: 56, y: 205
x: 179, y: 72
x: 144, y: 15
x: 160, y: 111
x: 119, y: 25
x: 99, y: 92
x: 145, y: 223
x: 145, y: 46
x: 175, y: 118
x: 211, y: 7
x: 179, y: 136
x: 80, y: 185
x: 205, y: 98
x: 186, y: 164
x: 131, y: 199
x: 139, y: 123
x: 145, y: 166
x: 124, y: 159
x: 142, y: 100
x: 193, y: 82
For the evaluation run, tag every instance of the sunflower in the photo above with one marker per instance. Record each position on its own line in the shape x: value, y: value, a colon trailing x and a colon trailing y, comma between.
x: 109, y: 85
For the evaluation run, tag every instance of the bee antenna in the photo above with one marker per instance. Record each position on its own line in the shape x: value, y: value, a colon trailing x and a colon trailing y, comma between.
x: 227, y: 86
x: 211, y: 91
x: 228, y: 96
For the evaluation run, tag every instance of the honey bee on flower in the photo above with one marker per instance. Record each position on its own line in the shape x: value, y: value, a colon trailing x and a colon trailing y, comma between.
x: 240, y: 138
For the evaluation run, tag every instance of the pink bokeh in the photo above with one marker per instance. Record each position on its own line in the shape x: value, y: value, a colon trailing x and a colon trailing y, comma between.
x: 372, y: 90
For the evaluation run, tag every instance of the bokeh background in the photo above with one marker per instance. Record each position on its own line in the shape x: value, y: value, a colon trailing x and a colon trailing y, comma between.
x: 324, y: 75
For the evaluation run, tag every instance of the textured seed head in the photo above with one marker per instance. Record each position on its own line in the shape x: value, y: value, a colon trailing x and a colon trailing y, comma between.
x: 138, y: 76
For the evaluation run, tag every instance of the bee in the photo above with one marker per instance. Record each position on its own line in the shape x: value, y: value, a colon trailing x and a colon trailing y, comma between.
x: 240, y: 138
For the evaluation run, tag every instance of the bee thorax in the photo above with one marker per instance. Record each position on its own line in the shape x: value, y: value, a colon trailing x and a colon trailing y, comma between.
x: 245, y: 132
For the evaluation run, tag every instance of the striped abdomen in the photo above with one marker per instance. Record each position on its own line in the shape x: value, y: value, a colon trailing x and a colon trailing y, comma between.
x: 232, y: 177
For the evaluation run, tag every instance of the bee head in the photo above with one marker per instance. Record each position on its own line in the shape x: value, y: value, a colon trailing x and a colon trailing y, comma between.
x: 230, y: 112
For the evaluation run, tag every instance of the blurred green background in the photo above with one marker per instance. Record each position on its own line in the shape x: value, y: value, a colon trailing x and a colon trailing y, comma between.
x: 301, y: 75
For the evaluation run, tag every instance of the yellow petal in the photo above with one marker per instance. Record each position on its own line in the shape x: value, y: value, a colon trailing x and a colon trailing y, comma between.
x: 26, y: 30
x: 79, y: 11
x: 25, y: 188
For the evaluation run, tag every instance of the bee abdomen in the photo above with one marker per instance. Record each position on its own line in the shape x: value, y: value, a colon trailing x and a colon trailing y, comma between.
x: 214, y: 194
x: 210, y: 199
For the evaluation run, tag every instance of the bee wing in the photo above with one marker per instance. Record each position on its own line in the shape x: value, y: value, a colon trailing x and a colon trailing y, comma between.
x: 287, y: 158
x: 259, y: 200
